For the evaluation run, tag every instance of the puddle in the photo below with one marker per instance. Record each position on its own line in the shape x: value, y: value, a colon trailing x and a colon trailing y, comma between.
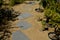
x: 24, y: 15
x: 18, y: 35
x: 24, y: 25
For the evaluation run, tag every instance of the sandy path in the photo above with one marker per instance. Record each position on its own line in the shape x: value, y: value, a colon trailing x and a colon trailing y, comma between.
x: 33, y: 32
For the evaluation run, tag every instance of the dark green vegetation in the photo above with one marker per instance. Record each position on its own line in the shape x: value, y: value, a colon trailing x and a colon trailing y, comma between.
x: 52, y: 15
x: 52, y: 11
x: 7, y: 17
x: 1, y: 2
x: 13, y: 2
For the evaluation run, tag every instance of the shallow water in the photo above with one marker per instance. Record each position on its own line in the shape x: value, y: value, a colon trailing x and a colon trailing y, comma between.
x: 18, y: 35
x: 24, y: 25
x: 24, y: 15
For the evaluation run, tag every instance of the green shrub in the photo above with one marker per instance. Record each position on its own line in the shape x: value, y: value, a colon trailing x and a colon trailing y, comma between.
x: 12, y: 2
x: 43, y: 22
x: 52, y: 11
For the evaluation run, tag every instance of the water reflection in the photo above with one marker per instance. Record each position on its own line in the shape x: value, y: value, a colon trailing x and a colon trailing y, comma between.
x: 24, y: 25
x: 24, y: 15
x: 18, y: 35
